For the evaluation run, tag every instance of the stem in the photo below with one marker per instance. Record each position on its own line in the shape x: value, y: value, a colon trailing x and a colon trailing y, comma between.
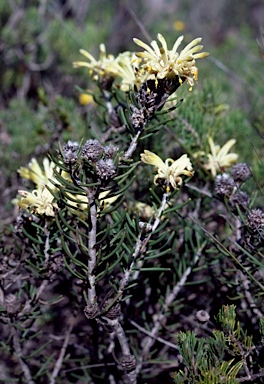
x: 158, y: 319
x: 92, y: 252
x: 59, y: 362
x: 140, y: 247
x: 120, y: 334
x: 132, y: 146
x: 19, y: 354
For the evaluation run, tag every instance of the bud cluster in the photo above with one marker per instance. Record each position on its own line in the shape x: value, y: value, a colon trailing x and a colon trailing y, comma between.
x: 95, y: 153
x: 70, y: 151
x: 151, y: 98
x: 227, y: 186
x: 256, y: 219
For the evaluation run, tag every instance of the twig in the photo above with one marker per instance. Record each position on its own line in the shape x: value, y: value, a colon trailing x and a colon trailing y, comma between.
x: 132, y: 146
x: 59, y: 362
x: 109, y: 106
x: 92, y: 252
x: 221, y: 246
x: 250, y: 300
x: 158, y: 319
x: 120, y: 334
x: 140, y: 248
x: 19, y: 355
x: 160, y: 339
x: 251, y: 378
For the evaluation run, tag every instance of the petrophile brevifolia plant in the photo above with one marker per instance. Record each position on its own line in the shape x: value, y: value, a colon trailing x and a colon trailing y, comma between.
x: 123, y: 236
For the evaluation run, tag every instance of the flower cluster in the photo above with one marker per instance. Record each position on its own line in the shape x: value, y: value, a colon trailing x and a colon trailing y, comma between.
x: 168, y: 172
x: 160, y: 62
x: 41, y: 200
x: 155, y: 63
x: 219, y: 159
x: 109, y: 67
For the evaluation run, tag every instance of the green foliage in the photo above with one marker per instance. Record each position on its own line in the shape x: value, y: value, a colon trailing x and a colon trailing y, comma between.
x: 205, y: 359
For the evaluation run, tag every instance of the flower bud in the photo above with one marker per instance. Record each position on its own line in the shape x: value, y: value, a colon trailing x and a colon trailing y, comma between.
x: 256, y: 219
x: 92, y: 150
x: 70, y: 152
x: 240, y: 172
x: 224, y: 185
x: 105, y: 169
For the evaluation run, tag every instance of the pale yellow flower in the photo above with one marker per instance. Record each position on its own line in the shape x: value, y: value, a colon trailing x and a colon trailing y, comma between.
x: 105, y: 201
x: 39, y: 176
x: 219, y: 159
x: 78, y: 204
x: 98, y: 66
x: 125, y: 66
x: 160, y: 62
x: 39, y: 201
x: 168, y: 172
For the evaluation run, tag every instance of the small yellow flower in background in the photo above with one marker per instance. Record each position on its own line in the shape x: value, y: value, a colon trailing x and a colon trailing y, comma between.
x: 85, y: 99
x: 160, y: 62
x: 179, y: 25
x: 144, y: 210
x: 169, y: 171
x: 38, y: 201
x: 219, y: 158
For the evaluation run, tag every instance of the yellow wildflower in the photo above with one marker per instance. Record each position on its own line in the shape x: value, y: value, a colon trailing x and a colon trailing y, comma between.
x: 168, y: 172
x: 38, y: 201
x: 85, y: 98
x: 179, y: 25
x: 219, y: 158
x: 98, y: 66
x: 160, y: 62
x: 125, y: 66
x: 79, y: 205
x: 39, y: 176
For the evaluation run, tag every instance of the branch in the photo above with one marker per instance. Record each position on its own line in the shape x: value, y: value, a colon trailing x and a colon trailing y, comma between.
x: 158, y: 319
x: 59, y: 362
x: 160, y: 339
x: 92, y: 252
x: 251, y: 377
x: 127, y: 362
x: 132, y: 146
x: 19, y: 354
x: 140, y: 248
